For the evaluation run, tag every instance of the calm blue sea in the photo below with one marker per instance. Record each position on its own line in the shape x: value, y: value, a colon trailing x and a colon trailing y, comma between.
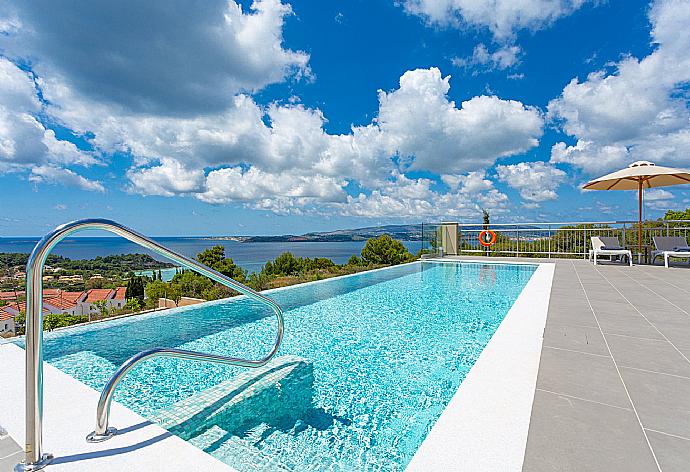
x: 249, y: 256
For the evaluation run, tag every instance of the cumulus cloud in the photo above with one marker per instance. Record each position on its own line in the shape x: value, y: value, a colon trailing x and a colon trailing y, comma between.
x: 638, y: 109
x: 419, y: 120
x: 536, y: 181
x: 174, y: 93
x: 405, y: 197
x: 658, y: 199
x: 502, y: 17
x: 66, y: 177
x: 484, y: 60
x: 174, y: 57
x: 249, y: 153
x: 24, y: 140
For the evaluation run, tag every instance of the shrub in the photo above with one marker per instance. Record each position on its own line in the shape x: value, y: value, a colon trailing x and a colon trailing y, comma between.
x: 385, y: 250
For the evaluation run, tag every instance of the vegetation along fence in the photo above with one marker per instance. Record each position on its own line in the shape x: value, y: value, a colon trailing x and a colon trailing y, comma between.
x: 568, y: 239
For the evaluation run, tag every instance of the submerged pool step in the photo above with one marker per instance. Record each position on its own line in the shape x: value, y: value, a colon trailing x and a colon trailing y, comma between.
x: 279, y: 392
x: 233, y: 450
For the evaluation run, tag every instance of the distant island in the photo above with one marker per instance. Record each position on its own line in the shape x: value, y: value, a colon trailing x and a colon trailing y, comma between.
x: 410, y: 232
x: 399, y: 232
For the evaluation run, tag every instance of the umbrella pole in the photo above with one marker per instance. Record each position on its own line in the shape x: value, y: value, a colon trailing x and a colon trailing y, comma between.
x: 639, y: 220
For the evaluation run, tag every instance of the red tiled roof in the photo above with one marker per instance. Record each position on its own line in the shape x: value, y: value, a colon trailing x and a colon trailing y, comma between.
x: 51, y: 292
x: 4, y: 315
x: 60, y: 303
x: 120, y: 293
x: 11, y: 295
x: 96, y: 294
x: 72, y: 296
x: 22, y: 307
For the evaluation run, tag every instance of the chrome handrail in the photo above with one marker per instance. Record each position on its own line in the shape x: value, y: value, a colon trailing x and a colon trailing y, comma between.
x: 35, y: 459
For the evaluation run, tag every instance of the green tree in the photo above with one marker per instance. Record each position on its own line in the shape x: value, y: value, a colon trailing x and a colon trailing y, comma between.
x: 215, y: 259
x: 156, y: 289
x: 133, y: 305
x: 355, y: 261
x: 486, y: 218
x: 385, y: 250
x: 190, y: 284
x: 102, y: 307
x: 677, y: 214
x: 135, y: 289
x: 285, y: 264
x: 260, y: 281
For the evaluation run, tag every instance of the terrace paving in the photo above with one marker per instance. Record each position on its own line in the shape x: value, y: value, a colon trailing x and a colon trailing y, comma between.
x: 613, y: 390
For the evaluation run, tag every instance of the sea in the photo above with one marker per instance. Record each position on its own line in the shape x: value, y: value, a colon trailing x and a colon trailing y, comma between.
x: 250, y: 256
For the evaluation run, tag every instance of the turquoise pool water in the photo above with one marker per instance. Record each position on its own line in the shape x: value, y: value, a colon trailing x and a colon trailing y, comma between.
x: 389, y: 350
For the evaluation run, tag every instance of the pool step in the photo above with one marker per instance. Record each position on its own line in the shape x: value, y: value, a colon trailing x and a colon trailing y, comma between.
x: 235, y: 451
x: 278, y: 392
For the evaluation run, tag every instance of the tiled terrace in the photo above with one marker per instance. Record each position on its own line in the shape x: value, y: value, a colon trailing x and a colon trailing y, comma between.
x: 613, y: 391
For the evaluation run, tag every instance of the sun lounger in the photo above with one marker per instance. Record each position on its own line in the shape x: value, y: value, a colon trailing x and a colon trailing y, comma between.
x: 608, y: 246
x: 670, y: 246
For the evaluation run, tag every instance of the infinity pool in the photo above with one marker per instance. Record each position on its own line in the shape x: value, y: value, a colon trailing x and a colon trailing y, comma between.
x: 389, y: 349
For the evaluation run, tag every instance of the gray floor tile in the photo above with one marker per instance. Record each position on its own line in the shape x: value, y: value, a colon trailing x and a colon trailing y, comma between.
x: 577, y: 338
x: 7, y: 463
x: 573, y: 435
x: 581, y: 375
x: 662, y: 401
x: 676, y: 332
x: 627, y: 324
x: 672, y: 453
x: 654, y: 355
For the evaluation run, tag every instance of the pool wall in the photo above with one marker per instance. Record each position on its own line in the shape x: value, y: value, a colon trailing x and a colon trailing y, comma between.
x: 485, y: 425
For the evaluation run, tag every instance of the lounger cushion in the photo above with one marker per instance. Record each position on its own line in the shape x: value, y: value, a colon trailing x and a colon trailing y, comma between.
x: 681, y: 249
x: 612, y: 248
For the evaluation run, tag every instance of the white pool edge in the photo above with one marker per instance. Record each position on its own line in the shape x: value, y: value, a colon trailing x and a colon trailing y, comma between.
x: 69, y: 408
x: 485, y: 425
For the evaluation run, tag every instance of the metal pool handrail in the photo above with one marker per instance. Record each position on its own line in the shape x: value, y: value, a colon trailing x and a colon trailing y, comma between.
x: 35, y: 459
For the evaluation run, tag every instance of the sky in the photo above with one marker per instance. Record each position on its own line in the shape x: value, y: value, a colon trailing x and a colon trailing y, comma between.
x: 214, y: 117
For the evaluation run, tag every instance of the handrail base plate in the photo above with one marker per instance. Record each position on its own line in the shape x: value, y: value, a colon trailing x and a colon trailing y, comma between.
x: 41, y: 464
x: 93, y: 437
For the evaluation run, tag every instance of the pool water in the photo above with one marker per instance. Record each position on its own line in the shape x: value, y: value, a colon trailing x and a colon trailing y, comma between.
x: 389, y: 349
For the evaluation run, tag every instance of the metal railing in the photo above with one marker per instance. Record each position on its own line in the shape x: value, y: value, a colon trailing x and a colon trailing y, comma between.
x: 564, y: 239
x: 35, y: 458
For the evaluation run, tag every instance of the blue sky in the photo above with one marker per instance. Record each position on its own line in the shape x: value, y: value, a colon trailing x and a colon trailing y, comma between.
x: 216, y: 117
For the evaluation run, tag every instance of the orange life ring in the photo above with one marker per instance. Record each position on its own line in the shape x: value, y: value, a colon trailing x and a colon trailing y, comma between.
x: 490, y: 242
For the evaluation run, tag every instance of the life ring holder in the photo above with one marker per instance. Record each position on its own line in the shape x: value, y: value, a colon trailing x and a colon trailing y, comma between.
x: 491, y: 241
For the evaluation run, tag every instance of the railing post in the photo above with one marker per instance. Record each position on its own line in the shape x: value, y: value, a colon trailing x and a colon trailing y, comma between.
x: 549, y: 241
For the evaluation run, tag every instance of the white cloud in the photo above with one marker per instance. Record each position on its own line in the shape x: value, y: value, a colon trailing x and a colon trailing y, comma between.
x: 198, y: 156
x: 638, y: 109
x: 590, y: 157
x: 484, y: 60
x: 658, y: 199
x: 57, y: 175
x: 407, y: 198
x: 536, y: 181
x: 419, y: 120
x: 181, y: 108
x: 171, y: 57
x: 502, y: 17
x: 24, y: 140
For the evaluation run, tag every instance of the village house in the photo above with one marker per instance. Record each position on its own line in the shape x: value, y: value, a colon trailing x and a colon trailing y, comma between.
x: 56, y: 301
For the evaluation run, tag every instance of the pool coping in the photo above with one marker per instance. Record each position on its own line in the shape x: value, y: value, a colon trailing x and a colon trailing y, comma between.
x: 486, y: 422
x: 69, y: 414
